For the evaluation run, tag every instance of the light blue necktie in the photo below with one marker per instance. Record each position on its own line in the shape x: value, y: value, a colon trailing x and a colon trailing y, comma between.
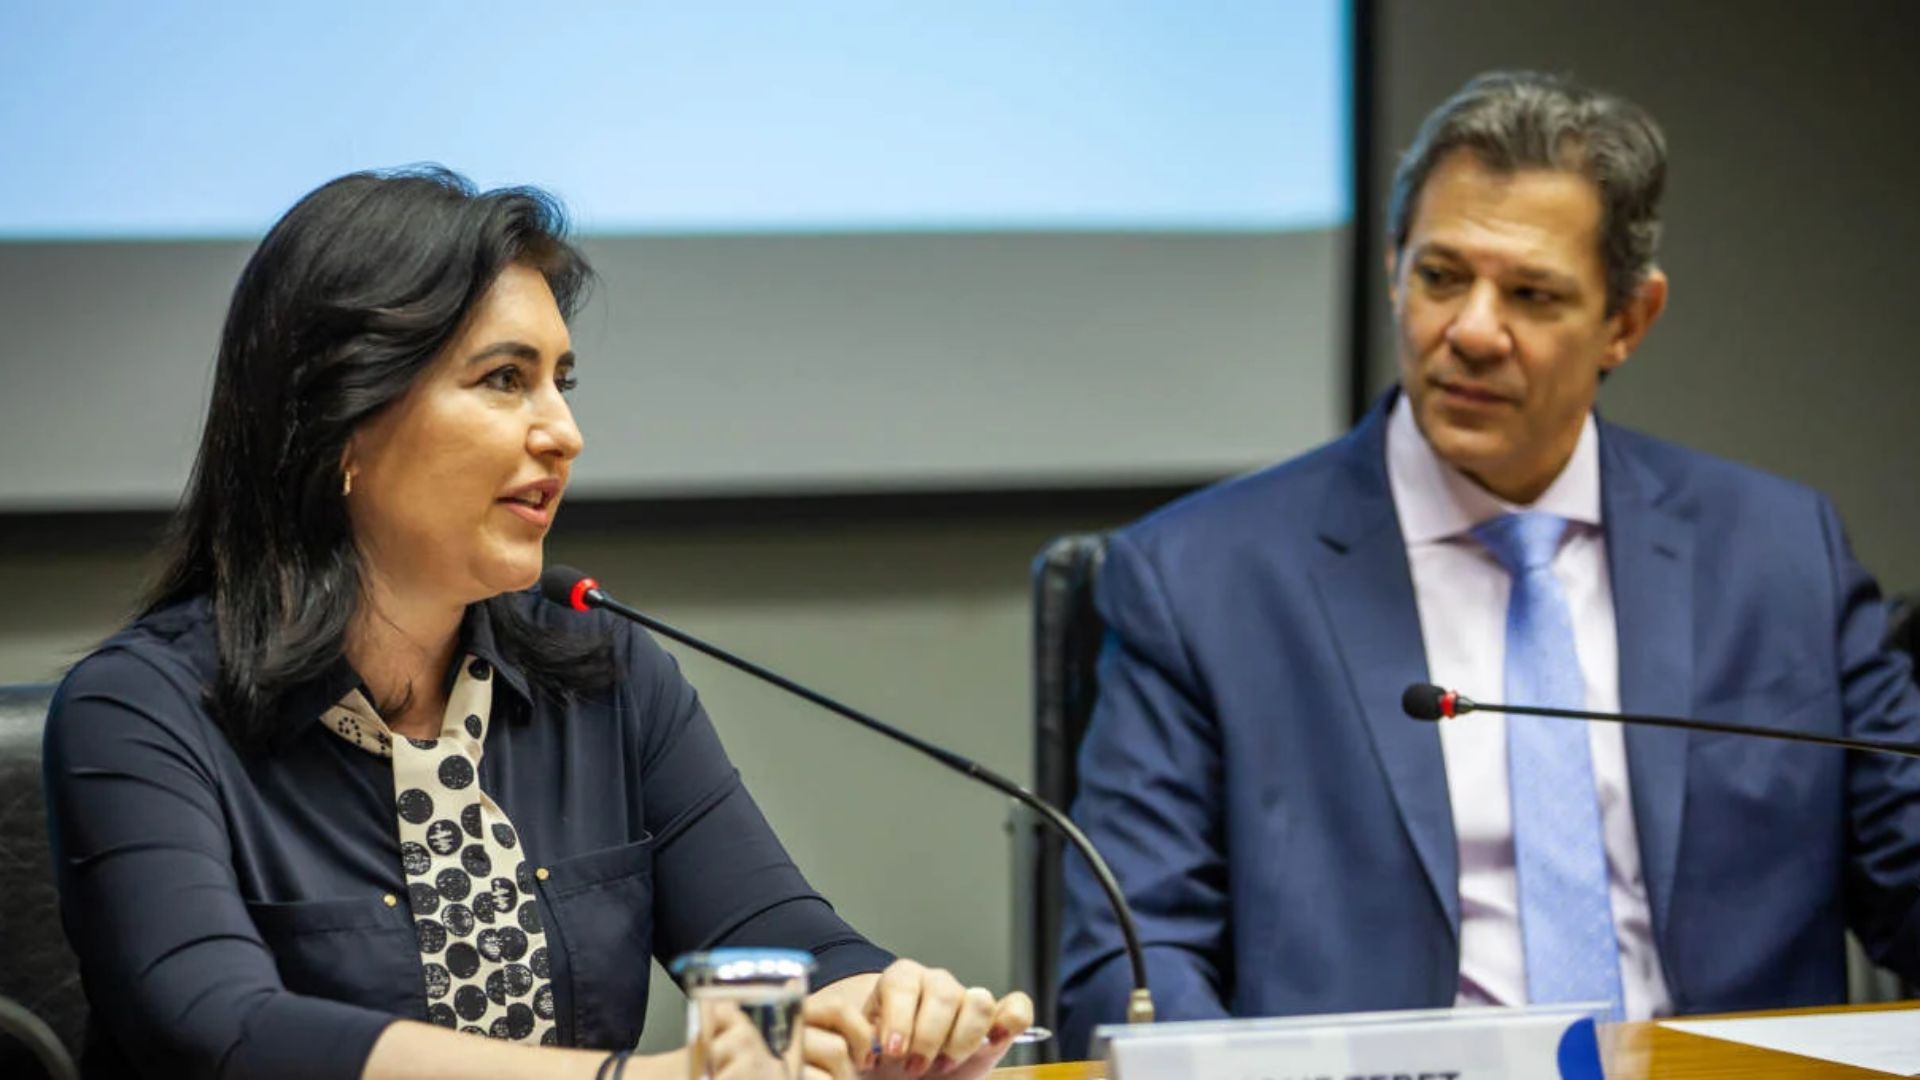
x: 1566, y: 916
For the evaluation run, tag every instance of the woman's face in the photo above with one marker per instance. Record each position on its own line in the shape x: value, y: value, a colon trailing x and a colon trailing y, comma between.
x: 456, y: 483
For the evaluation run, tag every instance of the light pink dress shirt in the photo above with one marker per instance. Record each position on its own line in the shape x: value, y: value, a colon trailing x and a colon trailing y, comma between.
x: 1462, y: 592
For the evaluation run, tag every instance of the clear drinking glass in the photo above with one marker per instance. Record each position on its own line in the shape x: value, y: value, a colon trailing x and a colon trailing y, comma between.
x: 768, y: 985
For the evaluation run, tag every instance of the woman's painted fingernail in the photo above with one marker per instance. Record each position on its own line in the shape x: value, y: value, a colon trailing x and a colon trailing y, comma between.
x: 943, y: 1063
x: 896, y: 1042
x: 997, y: 1034
x: 916, y: 1064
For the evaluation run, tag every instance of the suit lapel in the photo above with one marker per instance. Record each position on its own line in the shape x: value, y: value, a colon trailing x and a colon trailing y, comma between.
x: 1650, y: 560
x: 1366, y: 592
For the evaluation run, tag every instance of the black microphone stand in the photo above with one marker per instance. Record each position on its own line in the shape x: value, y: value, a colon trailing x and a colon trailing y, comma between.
x: 582, y: 592
x: 1423, y: 701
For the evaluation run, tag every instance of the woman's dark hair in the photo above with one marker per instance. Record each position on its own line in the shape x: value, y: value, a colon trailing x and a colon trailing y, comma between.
x: 344, y: 305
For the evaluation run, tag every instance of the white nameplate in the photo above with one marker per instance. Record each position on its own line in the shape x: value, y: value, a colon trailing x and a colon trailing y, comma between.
x: 1538, y: 1043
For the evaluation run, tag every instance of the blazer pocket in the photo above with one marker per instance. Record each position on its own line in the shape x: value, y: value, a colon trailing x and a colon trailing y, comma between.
x: 1783, y: 704
x: 1783, y: 799
x: 361, y: 952
x: 600, y: 906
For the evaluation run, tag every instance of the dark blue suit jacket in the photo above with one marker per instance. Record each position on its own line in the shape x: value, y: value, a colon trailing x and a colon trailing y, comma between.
x: 1283, y: 830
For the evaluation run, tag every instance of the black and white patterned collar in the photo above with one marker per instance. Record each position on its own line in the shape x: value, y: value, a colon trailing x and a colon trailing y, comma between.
x: 476, y: 639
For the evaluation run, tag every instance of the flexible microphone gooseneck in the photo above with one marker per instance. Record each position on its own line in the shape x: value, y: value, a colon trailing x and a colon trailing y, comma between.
x: 1425, y: 701
x: 565, y: 585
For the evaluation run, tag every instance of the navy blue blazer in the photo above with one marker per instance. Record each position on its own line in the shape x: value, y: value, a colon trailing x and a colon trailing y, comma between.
x: 1284, y: 832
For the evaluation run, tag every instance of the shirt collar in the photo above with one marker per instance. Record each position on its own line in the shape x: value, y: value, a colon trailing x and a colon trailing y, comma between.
x: 476, y: 639
x: 1436, y: 501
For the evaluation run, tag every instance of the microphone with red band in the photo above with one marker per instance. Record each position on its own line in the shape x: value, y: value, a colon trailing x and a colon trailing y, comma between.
x: 565, y: 585
x: 1425, y: 701
x: 577, y: 595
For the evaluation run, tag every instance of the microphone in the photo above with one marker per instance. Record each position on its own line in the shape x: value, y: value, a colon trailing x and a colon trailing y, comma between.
x: 1425, y: 701
x: 565, y: 585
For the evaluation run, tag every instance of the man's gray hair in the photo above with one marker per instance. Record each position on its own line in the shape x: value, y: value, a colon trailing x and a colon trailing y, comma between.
x: 1525, y: 120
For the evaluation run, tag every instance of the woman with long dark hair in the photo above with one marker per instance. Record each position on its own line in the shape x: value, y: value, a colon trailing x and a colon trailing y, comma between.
x: 346, y: 790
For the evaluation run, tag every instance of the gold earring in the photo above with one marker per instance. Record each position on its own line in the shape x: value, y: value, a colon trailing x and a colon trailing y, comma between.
x: 346, y: 484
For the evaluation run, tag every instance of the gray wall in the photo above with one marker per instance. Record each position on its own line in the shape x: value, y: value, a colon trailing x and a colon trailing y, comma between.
x: 1785, y: 347
x: 1792, y: 225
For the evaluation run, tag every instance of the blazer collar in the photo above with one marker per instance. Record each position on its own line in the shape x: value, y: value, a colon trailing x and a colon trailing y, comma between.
x: 1650, y: 541
x: 1366, y: 592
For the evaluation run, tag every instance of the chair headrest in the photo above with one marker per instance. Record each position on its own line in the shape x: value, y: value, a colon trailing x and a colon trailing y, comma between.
x: 23, y: 714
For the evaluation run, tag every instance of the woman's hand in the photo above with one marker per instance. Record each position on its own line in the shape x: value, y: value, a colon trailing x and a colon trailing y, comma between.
x: 733, y: 1049
x: 839, y: 1040
x: 919, y: 1022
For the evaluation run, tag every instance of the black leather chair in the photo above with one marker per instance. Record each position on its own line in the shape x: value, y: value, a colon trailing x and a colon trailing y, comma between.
x: 1865, y: 981
x: 1903, y: 627
x: 1067, y: 636
x: 43, y: 1014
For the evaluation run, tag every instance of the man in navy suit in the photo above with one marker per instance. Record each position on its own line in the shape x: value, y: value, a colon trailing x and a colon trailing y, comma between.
x: 1292, y: 843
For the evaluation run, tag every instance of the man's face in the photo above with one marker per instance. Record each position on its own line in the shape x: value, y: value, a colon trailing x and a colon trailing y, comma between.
x: 1500, y: 300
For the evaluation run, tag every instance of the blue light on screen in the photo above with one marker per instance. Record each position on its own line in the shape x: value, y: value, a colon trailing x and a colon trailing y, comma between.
x: 141, y: 120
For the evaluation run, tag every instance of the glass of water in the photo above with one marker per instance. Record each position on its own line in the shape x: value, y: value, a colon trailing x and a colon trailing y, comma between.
x: 768, y: 985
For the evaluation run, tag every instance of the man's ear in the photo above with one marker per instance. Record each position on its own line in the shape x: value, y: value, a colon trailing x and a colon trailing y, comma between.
x: 1393, y: 279
x: 1636, y: 317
